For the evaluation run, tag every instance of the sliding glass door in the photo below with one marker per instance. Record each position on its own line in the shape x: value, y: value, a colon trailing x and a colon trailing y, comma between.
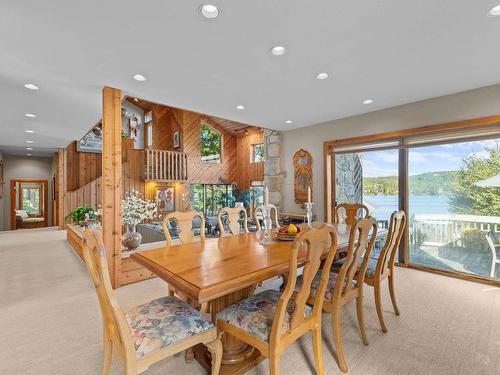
x: 454, y: 211
x: 370, y: 178
x: 448, y: 184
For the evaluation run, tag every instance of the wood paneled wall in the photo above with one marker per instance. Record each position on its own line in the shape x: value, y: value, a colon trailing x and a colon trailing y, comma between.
x: 246, y: 170
x: 235, y: 166
x: 132, y: 172
x: 198, y: 170
x: 82, y: 167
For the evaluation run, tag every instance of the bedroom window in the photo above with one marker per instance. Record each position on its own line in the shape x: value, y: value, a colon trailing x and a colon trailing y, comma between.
x: 210, y: 144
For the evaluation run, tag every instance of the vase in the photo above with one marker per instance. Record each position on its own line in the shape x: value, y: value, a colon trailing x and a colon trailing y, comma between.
x: 132, y: 239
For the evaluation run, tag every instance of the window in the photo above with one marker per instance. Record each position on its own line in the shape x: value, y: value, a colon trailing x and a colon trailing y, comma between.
x: 370, y: 178
x: 446, y: 182
x: 31, y: 199
x: 451, y: 213
x: 148, y: 121
x: 210, y: 144
x: 209, y: 198
x: 257, y: 155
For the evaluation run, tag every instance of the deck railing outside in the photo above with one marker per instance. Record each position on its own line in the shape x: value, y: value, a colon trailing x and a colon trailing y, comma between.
x: 166, y: 165
x: 443, y: 229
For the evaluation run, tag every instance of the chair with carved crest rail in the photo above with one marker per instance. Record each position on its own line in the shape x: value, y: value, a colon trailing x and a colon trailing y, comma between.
x: 347, y: 285
x: 383, y: 267
x: 351, y: 212
x: 177, y: 326
x: 184, y: 227
x: 271, y: 321
x: 260, y: 210
x: 231, y: 220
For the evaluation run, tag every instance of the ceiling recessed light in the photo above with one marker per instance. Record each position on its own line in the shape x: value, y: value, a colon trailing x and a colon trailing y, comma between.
x: 240, y: 107
x: 30, y: 115
x: 368, y: 101
x: 288, y: 122
x: 209, y: 11
x: 495, y: 11
x: 29, y: 154
x: 139, y: 77
x: 31, y: 86
x: 278, y: 50
x: 29, y: 148
x: 30, y: 142
x: 322, y: 76
x: 29, y: 131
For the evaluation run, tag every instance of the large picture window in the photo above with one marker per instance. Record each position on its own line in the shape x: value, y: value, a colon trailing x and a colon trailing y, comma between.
x: 447, y: 182
x: 210, y: 144
x: 209, y: 198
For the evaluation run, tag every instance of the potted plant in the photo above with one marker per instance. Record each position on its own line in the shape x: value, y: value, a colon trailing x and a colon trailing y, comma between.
x: 79, y: 214
x: 135, y: 210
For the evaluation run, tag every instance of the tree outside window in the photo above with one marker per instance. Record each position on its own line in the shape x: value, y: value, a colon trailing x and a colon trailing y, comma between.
x: 210, y: 144
x: 257, y: 155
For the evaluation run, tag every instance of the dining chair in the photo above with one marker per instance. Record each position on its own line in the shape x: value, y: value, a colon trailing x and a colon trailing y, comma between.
x: 351, y: 212
x: 150, y: 332
x: 184, y: 225
x: 347, y: 285
x: 382, y: 267
x: 232, y: 222
x: 270, y: 320
x: 261, y: 210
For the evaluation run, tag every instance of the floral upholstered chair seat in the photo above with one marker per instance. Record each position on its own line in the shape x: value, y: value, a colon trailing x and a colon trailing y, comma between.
x: 370, y: 269
x: 163, y: 322
x: 255, y: 314
x: 315, y: 284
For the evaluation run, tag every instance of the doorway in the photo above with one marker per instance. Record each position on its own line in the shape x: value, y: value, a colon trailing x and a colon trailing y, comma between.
x: 29, y: 203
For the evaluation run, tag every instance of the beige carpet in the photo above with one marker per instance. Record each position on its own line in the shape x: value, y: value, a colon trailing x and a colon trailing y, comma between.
x: 50, y: 322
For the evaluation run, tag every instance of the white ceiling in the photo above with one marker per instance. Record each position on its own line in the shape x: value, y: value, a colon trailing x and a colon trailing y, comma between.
x: 392, y: 51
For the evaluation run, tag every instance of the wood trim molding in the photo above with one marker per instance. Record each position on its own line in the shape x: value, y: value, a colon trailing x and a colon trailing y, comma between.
x: 482, y: 121
x: 456, y: 275
x: 13, y: 224
x: 61, y: 186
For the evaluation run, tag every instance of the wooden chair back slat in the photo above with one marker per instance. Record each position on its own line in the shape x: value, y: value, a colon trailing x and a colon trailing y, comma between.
x: 351, y: 212
x: 313, y: 242
x: 233, y: 217
x: 261, y: 209
x: 387, y: 256
x: 361, y: 239
x: 184, y: 224
x: 114, y: 320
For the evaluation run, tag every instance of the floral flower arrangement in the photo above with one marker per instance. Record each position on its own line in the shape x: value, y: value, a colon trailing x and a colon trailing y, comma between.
x: 136, y: 209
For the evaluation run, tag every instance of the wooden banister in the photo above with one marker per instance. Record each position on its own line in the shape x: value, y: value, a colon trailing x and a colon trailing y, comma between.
x: 165, y: 165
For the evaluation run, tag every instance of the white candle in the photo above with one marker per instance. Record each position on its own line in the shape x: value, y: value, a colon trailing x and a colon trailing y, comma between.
x: 308, y: 194
x: 266, y: 196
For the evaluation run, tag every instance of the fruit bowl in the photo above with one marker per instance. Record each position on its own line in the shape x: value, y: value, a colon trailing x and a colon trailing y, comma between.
x: 288, y: 233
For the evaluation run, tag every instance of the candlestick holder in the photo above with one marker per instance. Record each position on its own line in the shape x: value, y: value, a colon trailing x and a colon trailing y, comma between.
x: 309, y: 215
x: 268, y: 227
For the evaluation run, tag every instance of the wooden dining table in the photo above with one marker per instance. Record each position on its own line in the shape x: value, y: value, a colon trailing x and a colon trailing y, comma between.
x: 223, y: 271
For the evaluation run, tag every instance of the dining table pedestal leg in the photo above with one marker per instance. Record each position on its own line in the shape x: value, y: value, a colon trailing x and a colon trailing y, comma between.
x: 238, y: 357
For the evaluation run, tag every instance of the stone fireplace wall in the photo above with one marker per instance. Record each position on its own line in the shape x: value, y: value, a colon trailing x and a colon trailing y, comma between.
x: 272, y: 166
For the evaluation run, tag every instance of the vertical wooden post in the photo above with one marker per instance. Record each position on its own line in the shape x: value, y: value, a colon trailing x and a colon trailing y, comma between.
x: 111, y: 180
x: 62, y: 187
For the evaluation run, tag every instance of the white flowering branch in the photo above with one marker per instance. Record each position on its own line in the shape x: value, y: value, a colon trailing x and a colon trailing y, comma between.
x: 135, y: 209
